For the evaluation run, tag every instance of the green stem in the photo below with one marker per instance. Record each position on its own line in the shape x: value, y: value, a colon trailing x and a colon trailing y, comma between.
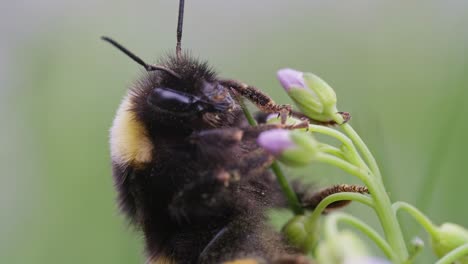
x: 388, y: 219
x: 344, y: 165
x: 416, y: 247
x: 291, y: 196
x: 383, y: 206
x: 332, y: 150
x: 344, y: 196
x: 331, y: 229
x: 332, y: 133
x: 246, y: 111
x: 368, y: 157
x: 355, y: 158
x: 454, y: 255
x: 422, y: 219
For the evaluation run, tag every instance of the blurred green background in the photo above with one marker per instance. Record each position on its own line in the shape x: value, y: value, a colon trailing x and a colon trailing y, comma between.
x: 400, y: 68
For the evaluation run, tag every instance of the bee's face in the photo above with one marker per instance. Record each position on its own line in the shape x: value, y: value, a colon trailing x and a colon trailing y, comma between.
x: 188, y: 103
x: 208, y: 98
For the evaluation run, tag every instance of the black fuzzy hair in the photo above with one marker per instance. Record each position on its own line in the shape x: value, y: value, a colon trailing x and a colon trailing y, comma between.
x: 188, y: 67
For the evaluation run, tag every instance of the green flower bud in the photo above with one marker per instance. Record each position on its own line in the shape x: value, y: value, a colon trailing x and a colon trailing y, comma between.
x: 337, y: 249
x: 307, y: 102
x: 301, y: 234
x: 416, y: 246
x: 306, y: 147
x: 295, y: 231
x: 313, y: 96
x: 448, y: 237
x: 324, y: 92
x: 294, y: 148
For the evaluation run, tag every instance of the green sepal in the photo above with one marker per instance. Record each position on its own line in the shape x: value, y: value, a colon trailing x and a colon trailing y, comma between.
x: 303, y: 153
x: 324, y: 92
x: 296, y: 157
x: 306, y: 100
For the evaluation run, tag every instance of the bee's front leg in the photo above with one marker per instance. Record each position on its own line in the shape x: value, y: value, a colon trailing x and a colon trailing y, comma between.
x: 264, y: 102
x: 227, y: 144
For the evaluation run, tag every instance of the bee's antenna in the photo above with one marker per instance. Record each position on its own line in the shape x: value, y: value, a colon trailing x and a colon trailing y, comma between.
x: 148, y: 67
x: 179, y: 28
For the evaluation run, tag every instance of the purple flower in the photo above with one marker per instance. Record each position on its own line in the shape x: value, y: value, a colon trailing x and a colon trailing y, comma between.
x: 275, y: 141
x: 291, y: 78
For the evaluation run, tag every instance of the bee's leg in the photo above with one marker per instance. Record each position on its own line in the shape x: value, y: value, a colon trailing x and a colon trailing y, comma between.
x: 222, y: 138
x: 222, y: 144
x: 310, y: 197
x: 346, y: 117
x: 202, y: 200
x: 217, y: 146
x: 255, y: 163
x: 246, y: 240
x: 259, y: 98
x: 219, y: 137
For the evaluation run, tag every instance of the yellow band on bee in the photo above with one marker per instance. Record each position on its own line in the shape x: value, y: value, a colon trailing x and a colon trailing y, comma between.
x: 129, y: 140
x: 161, y: 260
x: 242, y: 261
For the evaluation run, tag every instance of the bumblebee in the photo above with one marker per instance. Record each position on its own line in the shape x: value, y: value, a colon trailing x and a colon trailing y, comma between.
x: 187, y: 168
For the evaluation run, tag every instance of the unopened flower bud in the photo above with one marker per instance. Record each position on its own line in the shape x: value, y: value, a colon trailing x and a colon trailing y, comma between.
x: 344, y: 247
x: 275, y: 141
x: 323, y: 91
x: 295, y: 231
x: 313, y: 96
x: 290, y: 78
x: 294, y: 148
x: 415, y: 247
x: 448, y: 237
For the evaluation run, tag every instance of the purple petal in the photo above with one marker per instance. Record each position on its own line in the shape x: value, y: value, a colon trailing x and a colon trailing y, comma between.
x: 275, y: 141
x: 289, y: 78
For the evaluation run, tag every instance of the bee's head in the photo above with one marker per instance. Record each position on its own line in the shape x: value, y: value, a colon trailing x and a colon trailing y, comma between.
x: 174, y: 98
x: 186, y: 96
x: 180, y: 94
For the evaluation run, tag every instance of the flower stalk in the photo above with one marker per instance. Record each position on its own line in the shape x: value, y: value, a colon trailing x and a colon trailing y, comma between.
x: 331, y: 230
x: 317, y: 100
x: 291, y: 196
x: 288, y: 191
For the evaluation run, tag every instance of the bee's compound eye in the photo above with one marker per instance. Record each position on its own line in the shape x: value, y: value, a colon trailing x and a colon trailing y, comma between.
x: 171, y: 100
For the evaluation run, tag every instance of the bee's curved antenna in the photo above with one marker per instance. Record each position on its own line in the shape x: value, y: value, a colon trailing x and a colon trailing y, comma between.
x: 148, y: 67
x: 180, y: 23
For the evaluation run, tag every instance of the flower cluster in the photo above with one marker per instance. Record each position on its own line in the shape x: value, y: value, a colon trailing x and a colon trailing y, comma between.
x: 319, y: 235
